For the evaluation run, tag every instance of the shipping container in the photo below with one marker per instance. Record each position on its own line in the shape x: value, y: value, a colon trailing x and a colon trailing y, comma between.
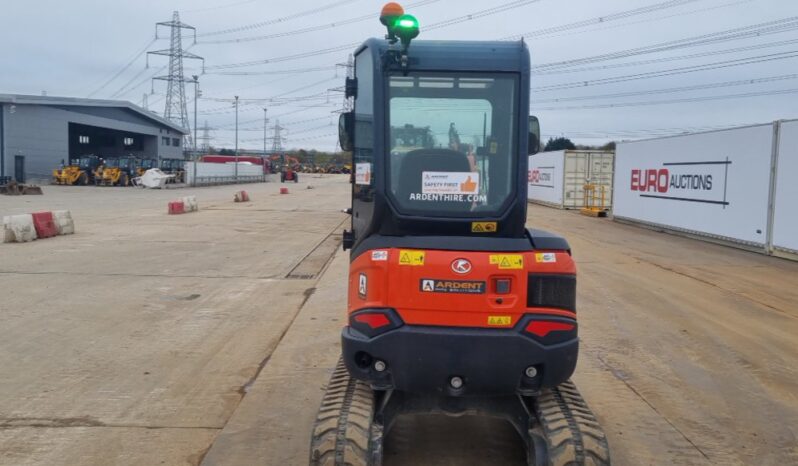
x: 784, y: 239
x: 558, y: 178
x: 714, y: 184
x: 253, y: 159
x: 217, y: 173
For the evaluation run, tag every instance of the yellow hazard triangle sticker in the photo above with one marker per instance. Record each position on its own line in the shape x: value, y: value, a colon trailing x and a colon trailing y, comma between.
x: 409, y: 257
x: 507, y: 261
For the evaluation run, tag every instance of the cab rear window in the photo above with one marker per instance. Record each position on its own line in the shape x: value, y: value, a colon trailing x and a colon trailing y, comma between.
x: 452, y: 142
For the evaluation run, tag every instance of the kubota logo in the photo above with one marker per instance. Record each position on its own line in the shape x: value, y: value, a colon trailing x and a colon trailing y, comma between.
x: 461, y: 266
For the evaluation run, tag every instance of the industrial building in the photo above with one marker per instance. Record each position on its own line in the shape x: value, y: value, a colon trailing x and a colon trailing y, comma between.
x: 37, y: 133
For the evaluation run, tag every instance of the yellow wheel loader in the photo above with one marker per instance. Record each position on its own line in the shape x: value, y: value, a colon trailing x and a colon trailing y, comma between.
x: 116, y: 172
x: 80, y: 171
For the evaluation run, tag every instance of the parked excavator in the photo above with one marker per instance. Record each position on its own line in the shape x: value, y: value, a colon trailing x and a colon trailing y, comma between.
x: 454, y: 306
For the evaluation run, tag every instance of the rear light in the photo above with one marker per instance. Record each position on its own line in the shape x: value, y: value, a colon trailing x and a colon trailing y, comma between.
x: 542, y: 328
x: 556, y: 291
x: 551, y: 331
x: 374, y: 321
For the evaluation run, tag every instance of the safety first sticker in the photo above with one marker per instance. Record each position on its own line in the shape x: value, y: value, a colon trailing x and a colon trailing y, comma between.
x: 410, y: 257
x: 545, y: 257
x: 507, y: 261
x: 484, y: 227
x: 499, y: 321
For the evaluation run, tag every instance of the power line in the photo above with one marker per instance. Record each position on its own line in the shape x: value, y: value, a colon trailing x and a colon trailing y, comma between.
x: 124, y: 68
x: 606, y: 134
x: 219, y: 7
x: 668, y: 59
x: 441, y: 24
x: 742, y: 82
x: 318, y: 27
x: 756, y: 30
x: 648, y: 20
x: 312, y: 11
x: 120, y: 92
x: 670, y: 72
x: 672, y: 101
x: 600, y: 19
x: 270, y: 72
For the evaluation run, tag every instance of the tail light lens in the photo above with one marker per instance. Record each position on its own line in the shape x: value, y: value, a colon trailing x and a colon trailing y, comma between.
x: 374, y: 321
x: 556, y: 291
x: 551, y: 331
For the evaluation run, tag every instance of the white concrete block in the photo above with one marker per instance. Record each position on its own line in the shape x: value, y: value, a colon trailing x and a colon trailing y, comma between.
x: 18, y: 228
x: 190, y: 203
x: 64, y: 222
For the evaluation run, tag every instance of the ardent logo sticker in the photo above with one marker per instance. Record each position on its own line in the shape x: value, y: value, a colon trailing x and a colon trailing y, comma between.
x: 432, y: 285
x: 461, y: 266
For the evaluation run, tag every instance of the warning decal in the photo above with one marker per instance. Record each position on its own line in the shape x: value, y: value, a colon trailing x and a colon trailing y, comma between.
x: 363, y: 173
x: 545, y: 257
x: 431, y: 285
x: 409, y: 257
x: 484, y: 227
x: 500, y: 320
x: 362, y: 286
x: 507, y: 261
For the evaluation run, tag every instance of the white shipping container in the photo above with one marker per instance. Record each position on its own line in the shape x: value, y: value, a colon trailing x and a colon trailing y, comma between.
x: 558, y: 178
x: 221, y: 170
x: 785, y: 217
x: 714, y: 184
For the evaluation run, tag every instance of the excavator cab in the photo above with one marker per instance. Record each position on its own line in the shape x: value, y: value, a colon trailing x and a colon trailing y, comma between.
x: 454, y: 305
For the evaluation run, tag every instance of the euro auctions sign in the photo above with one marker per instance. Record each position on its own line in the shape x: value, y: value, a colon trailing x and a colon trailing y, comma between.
x: 701, y: 181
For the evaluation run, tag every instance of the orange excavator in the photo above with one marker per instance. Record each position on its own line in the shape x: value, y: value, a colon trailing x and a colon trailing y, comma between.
x: 454, y: 306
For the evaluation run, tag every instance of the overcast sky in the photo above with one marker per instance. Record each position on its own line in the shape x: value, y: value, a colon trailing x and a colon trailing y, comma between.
x: 81, y: 47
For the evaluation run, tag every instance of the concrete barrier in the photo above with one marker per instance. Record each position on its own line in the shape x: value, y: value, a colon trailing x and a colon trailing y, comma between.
x: 18, y: 228
x: 63, y: 222
x: 44, y: 224
x: 176, y: 208
x: 190, y: 203
x: 28, y: 227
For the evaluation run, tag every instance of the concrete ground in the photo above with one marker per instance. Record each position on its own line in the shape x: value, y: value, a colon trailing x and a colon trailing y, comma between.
x: 149, y: 339
x: 132, y: 342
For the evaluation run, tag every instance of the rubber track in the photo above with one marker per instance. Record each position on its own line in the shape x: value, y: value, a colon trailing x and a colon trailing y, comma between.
x: 572, y: 433
x: 344, y: 433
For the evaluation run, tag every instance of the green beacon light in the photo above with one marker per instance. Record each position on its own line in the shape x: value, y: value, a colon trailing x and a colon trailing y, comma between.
x: 406, y: 28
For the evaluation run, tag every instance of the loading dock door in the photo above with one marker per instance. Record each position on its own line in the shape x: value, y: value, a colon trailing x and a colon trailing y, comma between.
x: 19, y: 168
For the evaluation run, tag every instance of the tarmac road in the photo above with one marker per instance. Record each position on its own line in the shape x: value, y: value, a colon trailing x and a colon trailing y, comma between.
x: 689, y: 350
